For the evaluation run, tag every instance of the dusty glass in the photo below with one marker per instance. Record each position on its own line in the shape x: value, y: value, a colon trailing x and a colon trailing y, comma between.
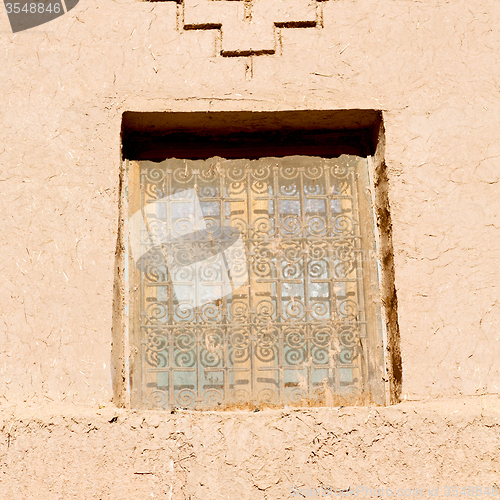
x: 253, y: 282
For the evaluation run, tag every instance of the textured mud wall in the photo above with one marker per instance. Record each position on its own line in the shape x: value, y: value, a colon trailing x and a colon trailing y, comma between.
x: 432, y: 67
x: 419, y: 449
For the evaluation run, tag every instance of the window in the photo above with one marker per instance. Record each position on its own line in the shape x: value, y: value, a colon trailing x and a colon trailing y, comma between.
x: 253, y: 275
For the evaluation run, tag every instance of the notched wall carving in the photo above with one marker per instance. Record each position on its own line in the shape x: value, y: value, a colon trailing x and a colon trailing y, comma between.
x: 249, y: 27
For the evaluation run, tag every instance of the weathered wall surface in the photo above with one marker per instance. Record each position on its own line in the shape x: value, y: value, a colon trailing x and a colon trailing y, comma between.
x: 432, y: 67
x: 419, y: 449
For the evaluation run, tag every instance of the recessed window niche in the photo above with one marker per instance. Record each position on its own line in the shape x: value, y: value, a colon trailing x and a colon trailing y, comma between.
x: 254, y: 260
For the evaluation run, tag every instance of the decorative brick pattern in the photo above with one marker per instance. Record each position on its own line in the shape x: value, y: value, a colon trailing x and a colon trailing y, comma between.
x: 249, y: 27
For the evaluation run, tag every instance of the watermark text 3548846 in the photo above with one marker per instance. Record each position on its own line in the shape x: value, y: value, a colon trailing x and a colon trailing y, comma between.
x: 26, y: 14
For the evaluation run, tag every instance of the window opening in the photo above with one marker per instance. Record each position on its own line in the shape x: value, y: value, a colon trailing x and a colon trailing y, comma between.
x: 253, y: 282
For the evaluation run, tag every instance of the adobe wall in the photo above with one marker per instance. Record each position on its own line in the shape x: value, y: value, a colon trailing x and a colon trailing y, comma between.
x: 424, y: 450
x: 431, y: 67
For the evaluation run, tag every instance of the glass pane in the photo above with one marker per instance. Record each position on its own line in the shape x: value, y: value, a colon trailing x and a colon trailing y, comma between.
x: 247, y: 282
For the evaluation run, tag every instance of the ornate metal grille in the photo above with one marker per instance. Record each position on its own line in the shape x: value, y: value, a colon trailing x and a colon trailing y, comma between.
x: 249, y: 282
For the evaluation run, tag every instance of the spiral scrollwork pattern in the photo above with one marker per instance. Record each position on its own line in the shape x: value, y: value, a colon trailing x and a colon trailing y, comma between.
x: 293, y: 333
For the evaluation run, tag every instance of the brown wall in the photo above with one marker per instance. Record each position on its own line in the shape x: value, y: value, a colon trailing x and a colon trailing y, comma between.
x: 431, y: 67
x: 110, y: 454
